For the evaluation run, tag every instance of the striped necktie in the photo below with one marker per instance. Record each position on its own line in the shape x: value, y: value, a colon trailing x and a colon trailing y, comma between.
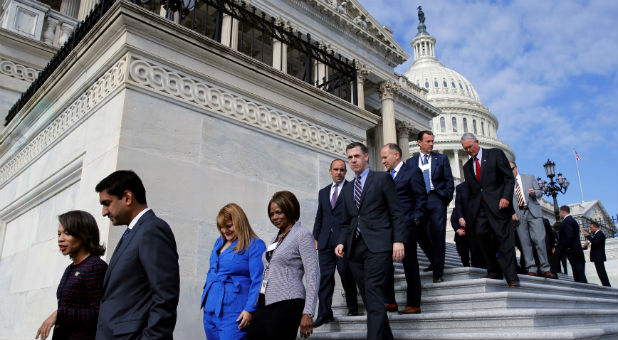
x: 358, y: 189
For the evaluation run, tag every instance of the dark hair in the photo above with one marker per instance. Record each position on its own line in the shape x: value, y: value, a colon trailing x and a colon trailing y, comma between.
x: 334, y: 160
x: 421, y: 134
x: 394, y: 147
x: 120, y: 181
x: 83, y: 226
x: 566, y: 209
x: 288, y: 203
x: 357, y: 144
x: 594, y: 224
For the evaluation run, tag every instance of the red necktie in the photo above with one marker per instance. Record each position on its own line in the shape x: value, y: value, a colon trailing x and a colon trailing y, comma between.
x: 478, y: 169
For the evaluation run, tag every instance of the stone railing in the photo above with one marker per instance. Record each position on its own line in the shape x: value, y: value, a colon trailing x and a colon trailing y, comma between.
x: 405, y: 84
x: 37, y: 21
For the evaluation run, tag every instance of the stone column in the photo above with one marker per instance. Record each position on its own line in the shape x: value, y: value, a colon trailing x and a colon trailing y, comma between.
x: 85, y: 7
x: 70, y: 8
x: 65, y: 33
x: 361, y: 74
x: 320, y: 73
x: 229, y: 31
x: 280, y: 56
x: 456, y: 168
x: 50, y: 30
x: 403, y: 134
x: 387, y: 96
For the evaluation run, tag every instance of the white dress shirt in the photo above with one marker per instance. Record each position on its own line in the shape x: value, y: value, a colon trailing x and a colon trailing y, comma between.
x: 421, y: 156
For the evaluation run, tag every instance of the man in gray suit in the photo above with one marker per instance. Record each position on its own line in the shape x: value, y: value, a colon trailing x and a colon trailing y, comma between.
x: 530, y: 230
x: 141, y: 285
x: 373, y: 233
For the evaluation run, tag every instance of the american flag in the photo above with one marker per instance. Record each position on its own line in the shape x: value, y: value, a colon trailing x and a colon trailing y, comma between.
x: 577, y: 158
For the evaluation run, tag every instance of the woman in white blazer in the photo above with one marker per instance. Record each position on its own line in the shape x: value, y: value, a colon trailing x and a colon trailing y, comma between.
x: 284, y: 302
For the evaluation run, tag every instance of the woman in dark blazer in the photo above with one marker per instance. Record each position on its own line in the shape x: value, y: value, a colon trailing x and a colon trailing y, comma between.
x: 284, y: 302
x: 80, y: 289
x: 233, y: 280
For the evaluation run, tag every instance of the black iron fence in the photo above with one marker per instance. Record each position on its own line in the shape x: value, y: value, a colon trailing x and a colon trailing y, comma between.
x: 607, y: 225
x: 255, y: 35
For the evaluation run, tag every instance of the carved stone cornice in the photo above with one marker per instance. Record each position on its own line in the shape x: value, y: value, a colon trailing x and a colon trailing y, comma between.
x: 388, y: 89
x: 14, y: 69
x: 67, y: 120
x: 362, y: 70
x: 404, y: 129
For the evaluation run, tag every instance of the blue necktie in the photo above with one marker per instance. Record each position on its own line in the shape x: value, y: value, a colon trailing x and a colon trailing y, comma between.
x: 393, y: 173
x: 426, y: 174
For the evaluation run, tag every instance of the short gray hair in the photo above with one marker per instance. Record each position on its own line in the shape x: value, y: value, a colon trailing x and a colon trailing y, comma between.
x: 468, y: 135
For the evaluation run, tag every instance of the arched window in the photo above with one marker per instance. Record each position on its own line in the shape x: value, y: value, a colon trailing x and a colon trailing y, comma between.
x: 465, y: 124
x: 483, y: 128
x: 474, y: 126
x: 454, y: 121
x: 442, y: 124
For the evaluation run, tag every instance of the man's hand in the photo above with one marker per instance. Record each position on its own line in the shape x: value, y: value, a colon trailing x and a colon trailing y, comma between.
x: 462, y: 222
x: 461, y: 232
x: 339, y: 250
x: 585, y: 232
x: 531, y: 193
x: 398, y: 251
x: 515, y: 218
x: 503, y: 203
x: 553, y: 250
x: 316, y: 244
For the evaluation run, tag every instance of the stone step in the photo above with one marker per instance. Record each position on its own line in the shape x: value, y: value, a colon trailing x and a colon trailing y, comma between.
x: 584, y: 332
x: 476, y: 320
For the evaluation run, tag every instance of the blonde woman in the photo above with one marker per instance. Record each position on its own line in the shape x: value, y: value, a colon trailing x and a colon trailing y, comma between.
x: 233, y: 281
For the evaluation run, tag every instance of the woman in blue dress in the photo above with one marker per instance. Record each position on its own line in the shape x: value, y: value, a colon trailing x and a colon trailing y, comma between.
x: 233, y: 281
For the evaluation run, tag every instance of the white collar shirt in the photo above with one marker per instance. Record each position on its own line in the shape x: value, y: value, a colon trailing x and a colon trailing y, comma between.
x: 420, y: 165
x: 397, y: 168
x: 136, y: 218
x: 332, y: 189
x: 479, y: 156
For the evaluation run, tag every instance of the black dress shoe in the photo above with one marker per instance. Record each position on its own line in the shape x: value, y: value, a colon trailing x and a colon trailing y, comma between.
x: 493, y: 276
x: 514, y: 284
x: 354, y: 314
x: 428, y: 269
x: 322, y: 320
x: 438, y: 279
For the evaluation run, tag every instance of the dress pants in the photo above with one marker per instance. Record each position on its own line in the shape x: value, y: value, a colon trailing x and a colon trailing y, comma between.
x: 223, y: 327
x: 411, y: 269
x: 463, y: 249
x: 497, y: 241
x: 433, y: 242
x: 578, y: 266
x: 328, y: 261
x: 277, y: 321
x: 531, y: 232
x: 369, y: 270
x: 600, y: 266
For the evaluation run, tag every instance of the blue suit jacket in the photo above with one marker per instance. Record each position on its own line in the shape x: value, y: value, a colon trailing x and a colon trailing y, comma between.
x: 441, y: 175
x: 233, y: 279
x: 410, y: 188
x: 597, y: 247
x: 141, y: 285
x: 327, y: 218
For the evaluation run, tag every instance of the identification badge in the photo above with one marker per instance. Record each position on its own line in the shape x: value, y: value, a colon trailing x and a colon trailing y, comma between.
x: 264, y: 282
x: 272, y: 246
x: 425, y: 166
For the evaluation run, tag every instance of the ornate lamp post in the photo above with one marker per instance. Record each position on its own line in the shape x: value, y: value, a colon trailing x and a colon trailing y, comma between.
x: 553, y: 188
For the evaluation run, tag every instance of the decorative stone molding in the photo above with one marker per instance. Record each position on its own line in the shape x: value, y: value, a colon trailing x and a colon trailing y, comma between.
x: 362, y: 71
x: 15, y: 70
x: 95, y: 94
x: 207, y: 96
x: 404, y: 129
x: 388, y: 89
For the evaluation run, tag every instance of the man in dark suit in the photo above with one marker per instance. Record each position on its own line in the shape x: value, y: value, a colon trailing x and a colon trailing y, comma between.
x: 439, y: 186
x: 490, y: 184
x: 596, y: 239
x: 466, y: 244
x: 373, y: 235
x: 570, y: 245
x: 141, y: 285
x: 412, y: 196
x: 326, y: 231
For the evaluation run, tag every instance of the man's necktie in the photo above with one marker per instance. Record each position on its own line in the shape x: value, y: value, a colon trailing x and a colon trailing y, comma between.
x: 478, y: 169
x: 333, y: 200
x: 124, y: 235
x: 357, y: 196
x: 519, y: 195
x: 426, y: 173
x: 393, y: 173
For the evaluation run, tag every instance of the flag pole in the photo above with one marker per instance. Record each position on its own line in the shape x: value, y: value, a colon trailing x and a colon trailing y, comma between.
x: 581, y: 190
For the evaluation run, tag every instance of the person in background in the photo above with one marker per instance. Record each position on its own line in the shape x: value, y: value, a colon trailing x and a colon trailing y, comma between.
x: 80, y: 289
x: 465, y: 241
x: 570, y: 245
x: 234, y: 276
x: 285, y: 303
x: 596, y: 239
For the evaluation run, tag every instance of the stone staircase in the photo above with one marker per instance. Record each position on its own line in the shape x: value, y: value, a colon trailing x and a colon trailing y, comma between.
x: 468, y: 306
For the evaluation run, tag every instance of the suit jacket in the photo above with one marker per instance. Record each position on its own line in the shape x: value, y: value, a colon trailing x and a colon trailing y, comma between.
x: 597, y: 247
x: 497, y: 182
x: 233, y: 279
x: 528, y: 182
x: 294, y: 257
x: 568, y: 238
x: 441, y: 175
x: 410, y: 188
x: 461, y: 206
x: 328, y: 218
x: 141, y: 286
x: 379, y: 218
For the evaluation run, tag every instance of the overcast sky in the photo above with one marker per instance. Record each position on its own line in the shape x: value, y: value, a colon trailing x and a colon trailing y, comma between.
x: 547, y: 69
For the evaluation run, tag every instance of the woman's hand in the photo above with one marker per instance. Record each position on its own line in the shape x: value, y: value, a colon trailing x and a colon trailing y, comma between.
x: 244, y: 318
x: 306, y: 326
x: 47, y: 326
